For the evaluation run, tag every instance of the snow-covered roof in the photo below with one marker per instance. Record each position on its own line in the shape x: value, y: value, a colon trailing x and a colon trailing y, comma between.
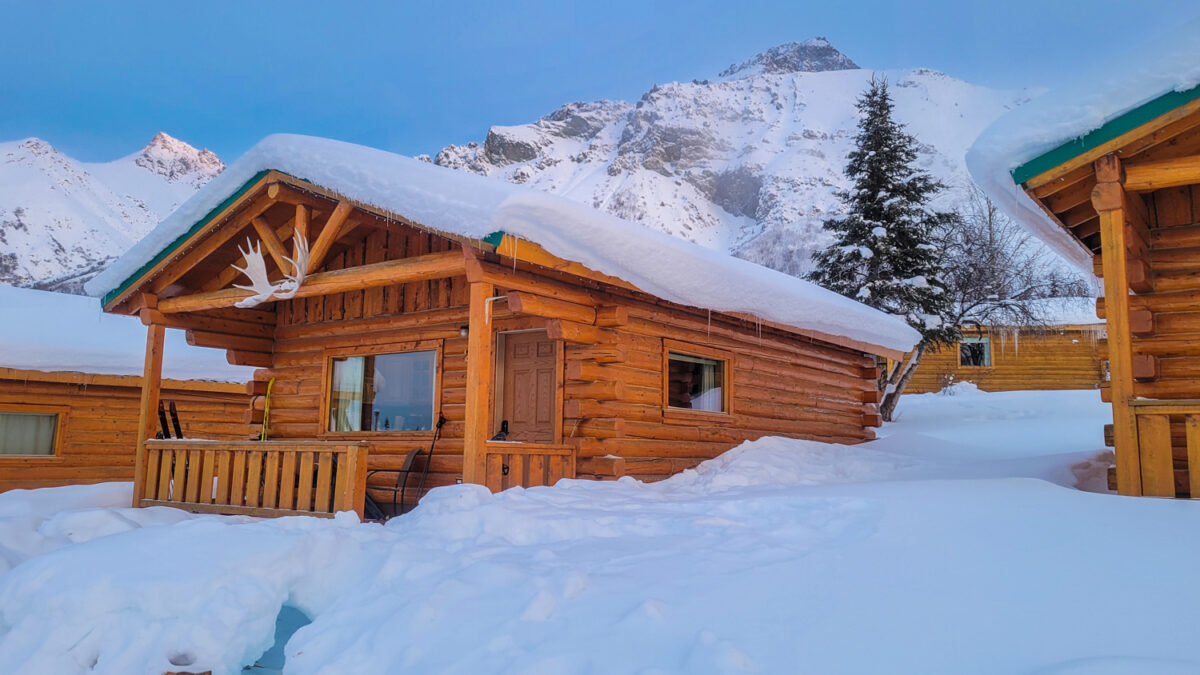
x: 1121, y: 84
x: 473, y: 206
x: 56, y: 332
x: 1069, y: 311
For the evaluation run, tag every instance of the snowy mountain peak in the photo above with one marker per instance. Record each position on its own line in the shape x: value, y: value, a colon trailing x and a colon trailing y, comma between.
x: 814, y: 55
x: 750, y: 164
x: 176, y: 161
x: 61, y: 219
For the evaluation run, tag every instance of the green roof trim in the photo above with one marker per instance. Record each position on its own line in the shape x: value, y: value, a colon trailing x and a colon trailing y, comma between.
x: 1113, y: 128
x: 168, y: 250
x: 494, y: 238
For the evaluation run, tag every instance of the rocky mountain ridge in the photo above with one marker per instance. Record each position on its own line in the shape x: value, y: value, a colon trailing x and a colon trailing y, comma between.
x: 749, y: 162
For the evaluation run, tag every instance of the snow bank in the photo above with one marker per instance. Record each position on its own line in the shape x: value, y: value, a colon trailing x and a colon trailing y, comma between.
x: 1120, y: 81
x: 57, y: 332
x: 910, y: 554
x: 473, y: 206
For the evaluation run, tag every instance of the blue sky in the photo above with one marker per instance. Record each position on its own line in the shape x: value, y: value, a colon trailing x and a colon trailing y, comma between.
x: 99, y: 79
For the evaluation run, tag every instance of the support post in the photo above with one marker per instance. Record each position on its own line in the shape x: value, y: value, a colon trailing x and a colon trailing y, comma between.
x: 1109, y: 200
x: 148, y: 410
x: 480, y: 378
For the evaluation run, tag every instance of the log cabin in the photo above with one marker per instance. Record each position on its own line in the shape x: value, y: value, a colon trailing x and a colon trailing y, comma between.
x: 1060, y: 354
x: 70, y: 387
x: 1109, y: 176
x: 499, y: 335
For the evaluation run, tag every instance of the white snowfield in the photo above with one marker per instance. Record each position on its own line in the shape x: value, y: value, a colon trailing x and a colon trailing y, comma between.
x: 955, y: 544
x: 1120, y: 81
x: 473, y: 206
x: 57, y: 332
x: 59, y: 215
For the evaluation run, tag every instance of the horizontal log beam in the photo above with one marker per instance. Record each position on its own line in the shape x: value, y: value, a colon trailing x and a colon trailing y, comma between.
x: 578, y: 333
x: 199, y: 338
x: 612, y: 316
x: 599, y: 391
x: 254, y: 359
x: 1164, y: 173
x: 549, y: 308
x: 208, y: 324
x: 375, y: 275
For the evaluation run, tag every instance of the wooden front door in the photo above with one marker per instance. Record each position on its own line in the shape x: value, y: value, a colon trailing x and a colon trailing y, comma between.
x: 529, y: 386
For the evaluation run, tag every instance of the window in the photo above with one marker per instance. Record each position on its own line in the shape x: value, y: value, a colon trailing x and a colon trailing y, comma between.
x: 382, y: 392
x: 695, y: 382
x: 28, y: 433
x: 975, y: 351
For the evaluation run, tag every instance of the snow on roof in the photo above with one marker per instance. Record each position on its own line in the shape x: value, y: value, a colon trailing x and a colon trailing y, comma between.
x: 1067, y: 311
x: 1070, y: 311
x: 473, y: 206
x: 56, y: 332
x: 1121, y: 83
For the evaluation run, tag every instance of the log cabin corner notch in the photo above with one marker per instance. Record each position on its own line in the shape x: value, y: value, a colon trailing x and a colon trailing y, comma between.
x: 1122, y: 201
x: 520, y: 317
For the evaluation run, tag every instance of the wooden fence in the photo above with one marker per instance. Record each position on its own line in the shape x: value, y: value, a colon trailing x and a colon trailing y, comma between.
x: 526, y: 464
x: 1168, y: 433
x: 268, y: 478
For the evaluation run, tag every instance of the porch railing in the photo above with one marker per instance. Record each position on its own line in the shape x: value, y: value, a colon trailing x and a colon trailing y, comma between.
x: 508, y: 464
x: 1168, y: 433
x: 268, y: 478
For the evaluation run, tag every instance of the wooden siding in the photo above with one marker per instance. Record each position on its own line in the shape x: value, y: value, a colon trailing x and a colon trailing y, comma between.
x: 1164, y: 343
x: 609, y: 372
x: 98, y: 430
x: 1054, y: 358
x: 613, y: 417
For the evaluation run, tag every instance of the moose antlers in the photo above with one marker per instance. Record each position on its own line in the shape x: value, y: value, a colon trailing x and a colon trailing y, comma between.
x: 255, y: 270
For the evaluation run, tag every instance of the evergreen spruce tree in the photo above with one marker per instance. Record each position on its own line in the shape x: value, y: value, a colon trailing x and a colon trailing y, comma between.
x: 885, y: 252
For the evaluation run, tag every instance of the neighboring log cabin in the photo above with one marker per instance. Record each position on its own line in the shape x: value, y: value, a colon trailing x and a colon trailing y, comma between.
x: 70, y: 388
x: 1060, y: 355
x: 555, y: 341
x: 1122, y: 199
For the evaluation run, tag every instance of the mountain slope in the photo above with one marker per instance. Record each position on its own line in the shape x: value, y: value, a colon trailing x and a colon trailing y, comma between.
x: 61, y: 219
x: 747, y: 163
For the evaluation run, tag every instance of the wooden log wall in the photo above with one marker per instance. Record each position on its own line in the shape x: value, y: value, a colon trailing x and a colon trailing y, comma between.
x: 428, y: 311
x: 99, y: 425
x: 1165, y: 318
x: 1049, y: 359
x: 613, y: 415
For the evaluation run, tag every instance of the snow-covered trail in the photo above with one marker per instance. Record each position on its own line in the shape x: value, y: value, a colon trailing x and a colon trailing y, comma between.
x: 912, y: 554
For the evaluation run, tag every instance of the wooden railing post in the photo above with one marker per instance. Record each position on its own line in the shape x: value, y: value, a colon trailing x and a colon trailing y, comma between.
x: 356, y: 473
x: 480, y: 364
x: 1108, y: 198
x: 148, y: 408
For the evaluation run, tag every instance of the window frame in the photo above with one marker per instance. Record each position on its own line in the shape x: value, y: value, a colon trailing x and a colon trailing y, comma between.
x: 61, y: 411
x: 330, y: 353
x: 675, y: 415
x: 985, y: 340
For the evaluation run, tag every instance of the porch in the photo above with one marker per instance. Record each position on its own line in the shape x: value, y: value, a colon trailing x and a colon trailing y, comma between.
x: 304, y: 478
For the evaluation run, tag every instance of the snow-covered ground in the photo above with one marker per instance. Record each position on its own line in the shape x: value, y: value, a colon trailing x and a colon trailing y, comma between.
x: 957, y: 543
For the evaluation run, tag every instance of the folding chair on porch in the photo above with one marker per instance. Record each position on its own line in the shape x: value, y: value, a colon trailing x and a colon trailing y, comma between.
x: 374, y: 512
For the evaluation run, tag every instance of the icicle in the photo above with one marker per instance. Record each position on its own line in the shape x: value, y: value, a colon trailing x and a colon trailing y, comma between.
x: 709, y: 323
